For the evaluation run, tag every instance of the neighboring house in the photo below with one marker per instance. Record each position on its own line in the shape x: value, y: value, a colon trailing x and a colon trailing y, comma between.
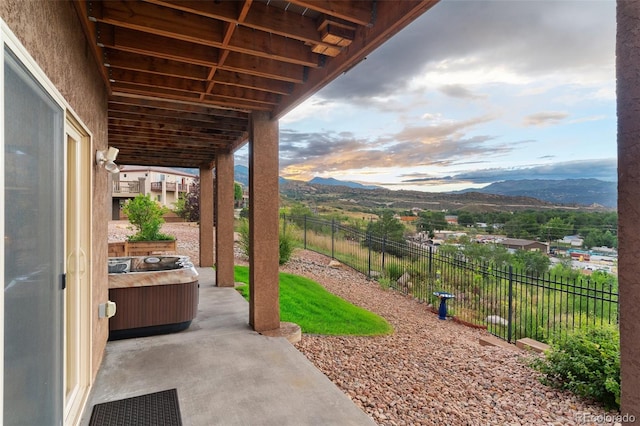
x: 164, y: 184
x: 451, y: 220
x: 573, y: 240
x: 407, y: 219
x: 520, y: 244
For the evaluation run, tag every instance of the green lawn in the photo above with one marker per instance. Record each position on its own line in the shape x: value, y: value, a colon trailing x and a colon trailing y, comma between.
x: 316, y: 311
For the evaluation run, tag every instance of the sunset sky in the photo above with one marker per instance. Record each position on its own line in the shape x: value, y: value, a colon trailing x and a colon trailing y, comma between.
x: 470, y: 93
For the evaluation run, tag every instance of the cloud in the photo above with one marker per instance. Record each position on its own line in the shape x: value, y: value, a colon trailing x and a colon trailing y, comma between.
x: 440, y: 143
x: 459, y: 91
x: 603, y: 169
x: 547, y: 118
x: 526, y: 38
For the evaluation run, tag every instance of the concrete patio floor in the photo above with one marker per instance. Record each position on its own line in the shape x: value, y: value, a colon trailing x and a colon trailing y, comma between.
x: 224, y: 372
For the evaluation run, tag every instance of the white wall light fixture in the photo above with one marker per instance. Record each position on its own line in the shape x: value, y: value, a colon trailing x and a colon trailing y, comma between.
x: 107, y: 159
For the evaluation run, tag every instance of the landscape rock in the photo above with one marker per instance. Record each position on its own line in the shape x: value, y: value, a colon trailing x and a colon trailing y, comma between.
x: 335, y: 264
x: 495, y: 319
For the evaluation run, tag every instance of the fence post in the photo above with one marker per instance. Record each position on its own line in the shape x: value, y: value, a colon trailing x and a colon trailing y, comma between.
x: 430, y: 260
x: 369, y: 246
x: 384, y: 243
x: 510, y: 313
x: 284, y: 223
x: 332, y: 239
x: 305, y: 232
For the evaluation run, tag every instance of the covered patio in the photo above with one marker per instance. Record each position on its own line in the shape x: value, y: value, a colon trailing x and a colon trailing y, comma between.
x: 185, y: 84
x: 224, y: 372
x: 191, y: 81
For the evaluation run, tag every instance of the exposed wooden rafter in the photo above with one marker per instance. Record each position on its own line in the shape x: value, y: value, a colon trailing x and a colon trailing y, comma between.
x: 184, y: 75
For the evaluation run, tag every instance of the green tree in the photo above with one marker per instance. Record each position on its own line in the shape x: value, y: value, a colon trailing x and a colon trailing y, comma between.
x: 466, y: 219
x: 555, y: 229
x: 387, y: 227
x: 237, y: 192
x: 532, y: 262
x: 191, y: 204
x: 145, y: 214
x: 429, y: 221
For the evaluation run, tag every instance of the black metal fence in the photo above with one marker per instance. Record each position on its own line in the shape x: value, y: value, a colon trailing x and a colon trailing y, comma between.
x: 510, y: 304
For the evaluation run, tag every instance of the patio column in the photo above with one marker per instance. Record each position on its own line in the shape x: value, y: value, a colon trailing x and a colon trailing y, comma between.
x: 264, y: 308
x: 224, y: 219
x: 206, y: 217
x: 628, y: 100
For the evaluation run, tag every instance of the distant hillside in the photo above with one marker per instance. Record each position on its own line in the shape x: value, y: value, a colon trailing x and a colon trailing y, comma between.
x: 568, y: 191
x: 358, y: 199
x: 591, y: 194
x: 242, y: 176
x: 336, y: 182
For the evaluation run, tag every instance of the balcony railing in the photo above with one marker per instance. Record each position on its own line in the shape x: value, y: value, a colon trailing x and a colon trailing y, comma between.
x: 171, y: 186
x: 126, y: 187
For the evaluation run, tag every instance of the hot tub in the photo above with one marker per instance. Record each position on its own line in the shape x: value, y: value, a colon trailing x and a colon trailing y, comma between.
x: 153, y: 295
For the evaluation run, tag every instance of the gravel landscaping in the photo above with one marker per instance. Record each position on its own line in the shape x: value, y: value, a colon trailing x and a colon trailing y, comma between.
x: 428, y: 372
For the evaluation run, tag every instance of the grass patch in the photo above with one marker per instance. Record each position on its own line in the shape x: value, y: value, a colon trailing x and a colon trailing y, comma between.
x: 316, y: 311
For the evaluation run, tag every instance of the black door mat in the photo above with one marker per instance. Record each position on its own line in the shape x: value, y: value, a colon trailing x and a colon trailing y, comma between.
x: 153, y: 409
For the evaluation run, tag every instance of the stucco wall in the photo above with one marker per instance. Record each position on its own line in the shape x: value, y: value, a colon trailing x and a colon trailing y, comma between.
x: 51, y: 33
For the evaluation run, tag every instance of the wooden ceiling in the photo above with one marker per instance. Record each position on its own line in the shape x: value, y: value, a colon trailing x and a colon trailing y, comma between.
x: 183, y: 76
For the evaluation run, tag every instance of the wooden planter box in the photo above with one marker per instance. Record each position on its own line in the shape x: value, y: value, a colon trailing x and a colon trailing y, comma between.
x: 142, y: 248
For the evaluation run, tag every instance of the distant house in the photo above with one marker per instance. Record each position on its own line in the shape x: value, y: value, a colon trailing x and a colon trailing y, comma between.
x: 164, y: 184
x: 573, y: 240
x: 451, y: 219
x: 520, y: 244
x: 408, y: 219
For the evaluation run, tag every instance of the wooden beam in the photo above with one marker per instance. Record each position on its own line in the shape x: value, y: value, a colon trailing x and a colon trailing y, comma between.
x: 89, y: 29
x: 148, y: 64
x: 166, y: 116
x: 359, y: 12
x: 179, y: 107
x: 157, y: 81
x: 262, y: 67
x: 260, y: 17
x: 162, y: 93
x: 248, y: 81
x: 181, y: 51
x: 157, y: 46
x: 198, y: 29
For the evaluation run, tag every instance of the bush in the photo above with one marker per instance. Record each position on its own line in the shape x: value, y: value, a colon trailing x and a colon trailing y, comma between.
x: 286, y: 243
x: 285, y: 248
x: 188, y: 205
x: 587, y: 363
x: 145, y: 215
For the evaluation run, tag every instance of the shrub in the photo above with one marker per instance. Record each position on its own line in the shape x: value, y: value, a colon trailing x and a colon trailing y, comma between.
x: 145, y: 215
x: 285, y: 248
x: 587, y: 363
x: 286, y: 243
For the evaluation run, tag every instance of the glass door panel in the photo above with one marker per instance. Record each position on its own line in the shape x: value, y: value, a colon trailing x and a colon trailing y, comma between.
x: 34, y: 250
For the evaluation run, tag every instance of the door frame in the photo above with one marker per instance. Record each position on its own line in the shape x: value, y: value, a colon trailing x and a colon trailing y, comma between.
x: 78, y: 269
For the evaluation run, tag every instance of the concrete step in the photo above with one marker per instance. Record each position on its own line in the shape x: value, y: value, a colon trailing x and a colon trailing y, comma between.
x: 532, y: 345
x: 495, y: 341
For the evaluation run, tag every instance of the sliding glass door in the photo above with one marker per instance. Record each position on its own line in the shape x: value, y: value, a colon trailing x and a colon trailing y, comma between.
x: 33, y: 250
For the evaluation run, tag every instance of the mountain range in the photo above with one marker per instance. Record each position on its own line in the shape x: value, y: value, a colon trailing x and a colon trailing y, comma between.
x: 566, y: 191
x: 585, y: 192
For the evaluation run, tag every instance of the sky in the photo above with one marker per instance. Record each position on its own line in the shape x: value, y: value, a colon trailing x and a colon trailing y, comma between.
x: 471, y: 93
